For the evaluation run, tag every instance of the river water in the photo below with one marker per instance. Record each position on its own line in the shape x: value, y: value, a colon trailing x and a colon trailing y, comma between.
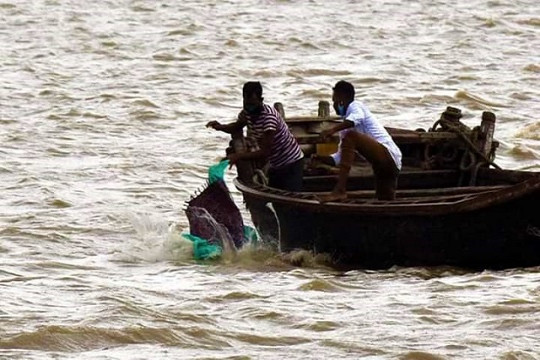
x: 102, y: 140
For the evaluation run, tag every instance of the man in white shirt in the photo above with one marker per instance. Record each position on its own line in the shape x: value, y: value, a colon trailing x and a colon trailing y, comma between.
x: 361, y: 132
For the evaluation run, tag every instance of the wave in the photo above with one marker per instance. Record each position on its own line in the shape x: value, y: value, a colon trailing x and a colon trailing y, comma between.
x: 531, y: 131
x: 82, y: 338
x: 465, y: 95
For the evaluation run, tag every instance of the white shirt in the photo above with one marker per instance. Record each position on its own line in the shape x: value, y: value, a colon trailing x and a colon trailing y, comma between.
x: 365, y: 123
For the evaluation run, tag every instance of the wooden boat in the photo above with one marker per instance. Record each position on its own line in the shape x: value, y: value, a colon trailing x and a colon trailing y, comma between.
x: 453, y: 206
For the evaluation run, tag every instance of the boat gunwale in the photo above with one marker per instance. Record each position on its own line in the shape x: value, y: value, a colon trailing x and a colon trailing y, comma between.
x: 446, y: 204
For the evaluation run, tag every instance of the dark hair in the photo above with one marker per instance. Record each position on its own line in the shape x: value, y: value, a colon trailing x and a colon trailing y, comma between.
x: 252, y: 87
x: 345, y: 88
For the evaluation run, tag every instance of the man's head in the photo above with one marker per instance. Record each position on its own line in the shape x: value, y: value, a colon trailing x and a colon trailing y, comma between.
x: 342, y: 96
x: 253, y: 100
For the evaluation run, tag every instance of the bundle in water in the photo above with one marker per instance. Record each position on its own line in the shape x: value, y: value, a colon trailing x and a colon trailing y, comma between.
x: 214, y: 219
x: 216, y: 201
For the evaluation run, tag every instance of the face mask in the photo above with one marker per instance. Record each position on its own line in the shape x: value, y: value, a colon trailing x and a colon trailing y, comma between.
x: 252, y: 109
x: 341, y: 110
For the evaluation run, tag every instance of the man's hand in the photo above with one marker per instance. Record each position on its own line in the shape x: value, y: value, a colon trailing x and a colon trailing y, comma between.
x: 317, y: 161
x: 233, y: 159
x: 314, y: 160
x: 243, y: 116
x: 214, y: 125
x: 326, y: 133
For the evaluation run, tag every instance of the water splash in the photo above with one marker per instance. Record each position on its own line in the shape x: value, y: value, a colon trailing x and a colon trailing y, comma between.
x: 155, y: 240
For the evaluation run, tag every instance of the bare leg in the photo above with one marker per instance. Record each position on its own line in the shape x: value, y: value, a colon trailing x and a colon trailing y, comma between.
x: 348, y: 147
x: 340, y: 190
x: 383, y: 165
x: 385, y: 185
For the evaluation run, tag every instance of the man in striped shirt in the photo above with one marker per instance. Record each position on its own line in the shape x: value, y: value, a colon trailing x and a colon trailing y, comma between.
x: 274, y: 139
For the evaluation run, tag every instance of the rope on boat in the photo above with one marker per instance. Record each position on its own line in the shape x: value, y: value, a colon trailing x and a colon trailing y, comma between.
x: 470, y: 158
x: 464, y: 133
x: 260, y: 177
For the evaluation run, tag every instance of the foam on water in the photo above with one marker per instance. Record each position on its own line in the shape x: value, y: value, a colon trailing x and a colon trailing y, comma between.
x: 154, y: 240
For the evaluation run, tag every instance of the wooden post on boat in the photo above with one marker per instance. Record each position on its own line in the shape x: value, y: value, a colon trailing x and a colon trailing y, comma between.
x: 324, y: 113
x: 324, y: 109
x: 487, y: 128
x: 279, y: 107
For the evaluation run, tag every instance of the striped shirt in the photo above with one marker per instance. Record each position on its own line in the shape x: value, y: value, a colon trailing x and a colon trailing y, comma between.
x: 284, y: 149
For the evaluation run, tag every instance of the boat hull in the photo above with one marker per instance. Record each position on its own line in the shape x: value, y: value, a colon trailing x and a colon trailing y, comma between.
x: 502, y: 233
x: 502, y: 236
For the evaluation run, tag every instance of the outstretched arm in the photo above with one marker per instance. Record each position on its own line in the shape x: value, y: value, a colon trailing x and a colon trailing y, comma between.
x: 346, y: 124
x: 226, y: 128
x: 230, y: 128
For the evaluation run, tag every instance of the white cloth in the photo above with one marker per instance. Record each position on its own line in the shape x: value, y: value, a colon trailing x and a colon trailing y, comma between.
x: 365, y: 123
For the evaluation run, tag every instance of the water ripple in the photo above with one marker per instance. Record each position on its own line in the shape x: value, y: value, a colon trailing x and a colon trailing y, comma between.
x: 102, y: 114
